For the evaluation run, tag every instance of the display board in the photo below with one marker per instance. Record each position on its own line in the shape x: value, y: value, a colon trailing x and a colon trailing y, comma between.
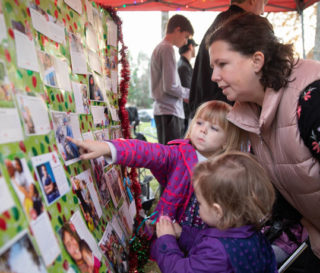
x: 59, y: 78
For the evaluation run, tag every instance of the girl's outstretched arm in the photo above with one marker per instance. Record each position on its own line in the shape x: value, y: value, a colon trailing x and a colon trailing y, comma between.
x: 90, y: 149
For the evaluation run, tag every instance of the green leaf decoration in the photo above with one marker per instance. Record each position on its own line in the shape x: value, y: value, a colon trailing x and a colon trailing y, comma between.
x: 15, y: 213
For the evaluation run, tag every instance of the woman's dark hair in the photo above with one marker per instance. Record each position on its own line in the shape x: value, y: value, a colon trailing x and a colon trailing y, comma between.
x: 248, y: 33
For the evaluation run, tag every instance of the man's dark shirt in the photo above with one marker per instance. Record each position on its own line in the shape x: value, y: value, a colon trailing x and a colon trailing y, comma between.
x: 202, y: 88
x: 185, y: 73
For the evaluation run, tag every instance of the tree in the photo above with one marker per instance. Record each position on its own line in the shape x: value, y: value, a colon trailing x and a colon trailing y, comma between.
x: 139, y: 94
x: 288, y: 28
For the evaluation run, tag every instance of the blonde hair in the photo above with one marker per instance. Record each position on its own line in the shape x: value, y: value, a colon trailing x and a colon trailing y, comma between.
x: 240, y: 185
x: 216, y: 112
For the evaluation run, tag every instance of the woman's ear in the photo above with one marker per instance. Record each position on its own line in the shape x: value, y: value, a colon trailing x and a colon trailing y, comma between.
x: 218, y: 210
x: 258, y: 61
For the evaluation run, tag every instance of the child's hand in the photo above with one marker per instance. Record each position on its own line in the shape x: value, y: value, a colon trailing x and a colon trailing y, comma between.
x: 164, y: 227
x: 177, y: 229
x: 90, y: 149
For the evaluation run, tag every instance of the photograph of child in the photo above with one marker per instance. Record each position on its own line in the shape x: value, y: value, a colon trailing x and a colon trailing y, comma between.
x: 113, y: 186
x: 97, y: 21
x: 116, y: 133
x: 27, y: 117
x: 100, y: 116
x: 107, y: 64
x: 75, y: 43
x: 63, y: 128
x: 5, y: 94
x: 114, y: 59
x: 21, y: 257
x: 6, y: 197
x: 103, y: 190
x: 113, y: 249
x: 24, y: 186
x: 86, y: 204
x: 125, y: 219
x: 81, y: 99
x: 98, y: 165
x: 78, y: 249
x: 47, y: 68
x: 118, y: 175
x: 48, y: 182
x: 94, y: 89
x: 85, y: 100
x: 34, y: 113
x: 77, y: 54
x: 126, y: 182
x: 3, y: 27
x: 106, y: 117
x: 5, y: 87
x: 101, y: 135
x: 3, y: 71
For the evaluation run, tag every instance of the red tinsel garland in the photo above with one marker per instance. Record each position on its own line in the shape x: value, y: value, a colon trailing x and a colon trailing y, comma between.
x: 125, y: 125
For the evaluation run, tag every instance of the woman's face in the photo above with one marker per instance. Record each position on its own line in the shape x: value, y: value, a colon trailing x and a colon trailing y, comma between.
x: 72, y: 246
x: 237, y: 75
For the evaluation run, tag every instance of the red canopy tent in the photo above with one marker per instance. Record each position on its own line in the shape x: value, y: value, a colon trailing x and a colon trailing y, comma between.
x: 200, y: 5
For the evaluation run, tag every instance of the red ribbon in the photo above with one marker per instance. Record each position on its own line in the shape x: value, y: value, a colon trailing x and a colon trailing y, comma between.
x: 125, y: 124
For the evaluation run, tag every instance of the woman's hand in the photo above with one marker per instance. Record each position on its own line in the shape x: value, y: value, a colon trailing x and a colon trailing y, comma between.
x: 165, y: 226
x: 90, y: 149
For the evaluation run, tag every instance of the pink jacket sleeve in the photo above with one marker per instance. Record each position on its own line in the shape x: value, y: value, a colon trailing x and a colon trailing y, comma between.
x: 154, y: 156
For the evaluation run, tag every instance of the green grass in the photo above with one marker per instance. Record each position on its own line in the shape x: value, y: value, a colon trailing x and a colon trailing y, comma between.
x: 150, y: 133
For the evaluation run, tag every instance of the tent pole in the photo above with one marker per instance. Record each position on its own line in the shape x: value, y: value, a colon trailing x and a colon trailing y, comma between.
x: 164, y: 21
x: 302, y: 33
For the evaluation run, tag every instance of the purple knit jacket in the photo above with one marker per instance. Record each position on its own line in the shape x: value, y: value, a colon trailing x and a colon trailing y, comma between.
x: 170, y: 164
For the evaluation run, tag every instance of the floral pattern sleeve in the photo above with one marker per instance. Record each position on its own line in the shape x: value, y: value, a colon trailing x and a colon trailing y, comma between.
x: 308, y: 113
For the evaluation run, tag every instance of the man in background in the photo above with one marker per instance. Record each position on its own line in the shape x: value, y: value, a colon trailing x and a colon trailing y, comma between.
x: 202, y: 88
x: 185, y: 70
x: 166, y: 89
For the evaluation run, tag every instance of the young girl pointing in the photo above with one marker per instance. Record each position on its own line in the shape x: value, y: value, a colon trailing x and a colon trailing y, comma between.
x: 209, y: 134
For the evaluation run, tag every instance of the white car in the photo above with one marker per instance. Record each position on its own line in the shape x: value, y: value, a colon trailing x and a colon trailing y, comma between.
x: 145, y: 115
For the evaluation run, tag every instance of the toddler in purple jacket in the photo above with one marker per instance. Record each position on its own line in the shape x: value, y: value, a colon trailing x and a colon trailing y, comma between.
x: 235, y: 197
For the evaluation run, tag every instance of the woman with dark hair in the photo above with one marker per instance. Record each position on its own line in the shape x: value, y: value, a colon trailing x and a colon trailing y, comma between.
x: 277, y: 101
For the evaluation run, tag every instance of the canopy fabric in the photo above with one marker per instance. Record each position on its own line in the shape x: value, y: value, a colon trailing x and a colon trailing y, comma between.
x: 200, y: 5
